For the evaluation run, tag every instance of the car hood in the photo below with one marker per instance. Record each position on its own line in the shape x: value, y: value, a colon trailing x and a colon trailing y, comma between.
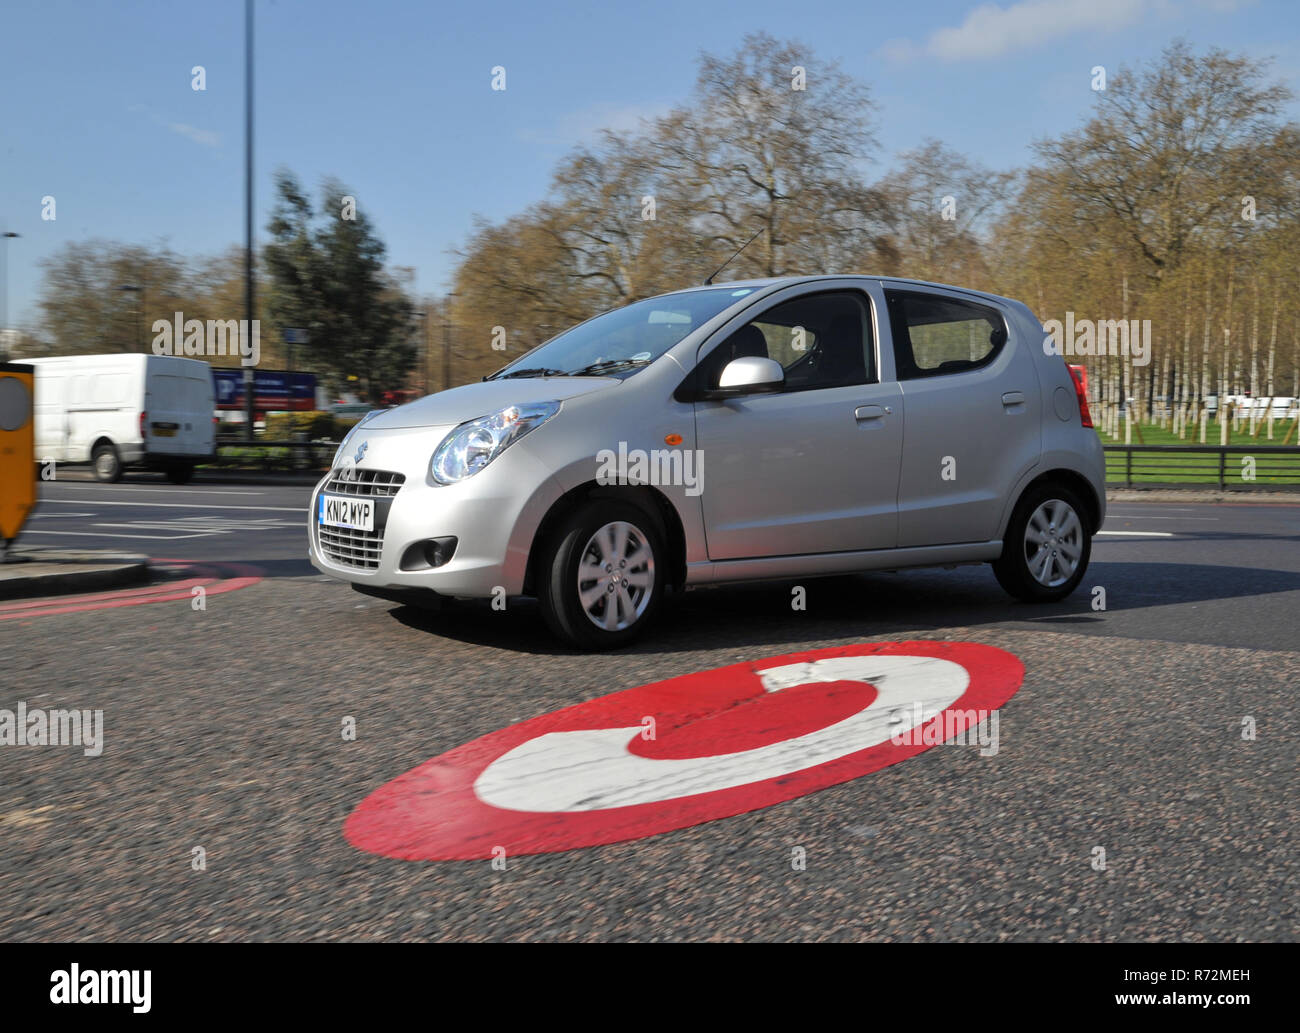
x: 474, y: 400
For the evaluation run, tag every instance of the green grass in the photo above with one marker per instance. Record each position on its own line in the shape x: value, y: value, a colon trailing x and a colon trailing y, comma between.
x: 1152, y: 434
x: 1203, y: 467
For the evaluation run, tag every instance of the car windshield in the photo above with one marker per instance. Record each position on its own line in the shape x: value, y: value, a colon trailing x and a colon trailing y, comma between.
x: 625, y: 339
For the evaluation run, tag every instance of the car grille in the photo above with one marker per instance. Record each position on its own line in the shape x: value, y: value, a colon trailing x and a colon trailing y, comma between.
x: 370, y: 483
x: 351, y: 548
x: 360, y: 549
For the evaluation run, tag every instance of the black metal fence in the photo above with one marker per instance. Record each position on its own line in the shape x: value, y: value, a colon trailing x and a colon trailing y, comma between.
x: 1239, y: 467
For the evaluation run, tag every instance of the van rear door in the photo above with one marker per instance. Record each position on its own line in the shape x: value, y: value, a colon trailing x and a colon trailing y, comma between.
x: 179, y: 405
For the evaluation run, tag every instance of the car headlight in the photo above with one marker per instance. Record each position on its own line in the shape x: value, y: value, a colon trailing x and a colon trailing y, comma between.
x: 338, y: 453
x: 475, y: 443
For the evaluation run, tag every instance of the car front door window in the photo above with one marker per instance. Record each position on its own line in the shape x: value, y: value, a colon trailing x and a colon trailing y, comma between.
x: 821, y: 340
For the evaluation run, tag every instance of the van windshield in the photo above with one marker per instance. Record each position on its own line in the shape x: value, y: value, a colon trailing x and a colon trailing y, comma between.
x: 625, y: 339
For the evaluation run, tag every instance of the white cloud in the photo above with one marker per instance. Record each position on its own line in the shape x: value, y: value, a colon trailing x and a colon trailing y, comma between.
x: 992, y: 31
x: 206, y: 137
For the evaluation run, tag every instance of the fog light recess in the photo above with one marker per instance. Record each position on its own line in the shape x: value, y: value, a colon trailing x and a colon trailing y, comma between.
x: 428, y: 554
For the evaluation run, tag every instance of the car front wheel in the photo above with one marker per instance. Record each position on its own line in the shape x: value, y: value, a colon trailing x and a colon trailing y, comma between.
x: 601, y: 574
x: 1047, y: 546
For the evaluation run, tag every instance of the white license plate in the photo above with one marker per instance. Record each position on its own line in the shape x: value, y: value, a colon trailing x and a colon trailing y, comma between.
x: 354, y: 514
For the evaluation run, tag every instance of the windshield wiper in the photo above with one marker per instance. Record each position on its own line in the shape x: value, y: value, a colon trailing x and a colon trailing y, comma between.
x: 609, y: 365
x: 537, y: 371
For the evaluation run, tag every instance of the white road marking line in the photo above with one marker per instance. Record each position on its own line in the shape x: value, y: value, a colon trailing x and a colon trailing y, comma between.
x: 197, y: 526
x: 64, y: 516
x: 1162, y: 516
x: 146, y: 526
x: 179, y: 505
x: 1141, y: 534
x: 206, y: 526
x: 104, y: 534
x: 157, y: 491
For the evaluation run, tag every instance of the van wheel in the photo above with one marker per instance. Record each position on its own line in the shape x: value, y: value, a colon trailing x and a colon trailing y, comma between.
x: 107, y: 464
x: 181, y: 473
x: 601, y: 574
x: 1047, y: 545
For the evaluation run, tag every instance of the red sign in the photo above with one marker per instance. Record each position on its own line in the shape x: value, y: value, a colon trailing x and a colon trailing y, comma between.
x: 686, y: 750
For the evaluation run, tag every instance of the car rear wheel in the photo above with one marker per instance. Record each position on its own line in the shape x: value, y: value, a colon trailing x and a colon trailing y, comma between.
x: 107, y: 464
x: 601, y: 574
x: 1047, y: 545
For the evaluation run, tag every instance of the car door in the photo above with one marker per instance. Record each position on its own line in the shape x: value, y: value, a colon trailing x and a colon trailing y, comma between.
x: 972, y: 404
x: 812, y: 468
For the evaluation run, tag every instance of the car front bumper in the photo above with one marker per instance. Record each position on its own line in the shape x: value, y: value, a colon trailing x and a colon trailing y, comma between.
x: 493, y: 515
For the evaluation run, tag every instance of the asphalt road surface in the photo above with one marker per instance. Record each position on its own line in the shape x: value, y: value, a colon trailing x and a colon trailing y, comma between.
x: 144, y: 513
x: 222, y: 732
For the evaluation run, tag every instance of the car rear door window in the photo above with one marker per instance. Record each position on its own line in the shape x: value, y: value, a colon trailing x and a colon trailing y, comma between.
x: 935, y: 335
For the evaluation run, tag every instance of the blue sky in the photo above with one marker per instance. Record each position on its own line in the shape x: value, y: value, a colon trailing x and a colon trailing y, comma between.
x: 394, y: 98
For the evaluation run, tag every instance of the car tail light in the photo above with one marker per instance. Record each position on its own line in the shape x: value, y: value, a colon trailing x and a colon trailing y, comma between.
x: 1079, y: 375
x: 143, y: 416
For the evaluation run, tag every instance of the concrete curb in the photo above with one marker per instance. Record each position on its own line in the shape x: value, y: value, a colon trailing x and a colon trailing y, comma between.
x: 251, y: 477
x: 1257, y: 497
x: 39, y: 572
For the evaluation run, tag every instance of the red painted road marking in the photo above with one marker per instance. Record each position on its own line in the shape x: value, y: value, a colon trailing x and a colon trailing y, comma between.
x: 214, y: 578
x: 121, y: 593
x: 728, y: 740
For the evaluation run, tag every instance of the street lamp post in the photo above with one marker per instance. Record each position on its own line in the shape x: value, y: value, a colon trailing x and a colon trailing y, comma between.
x: 250, y: 295
x: 446, y: 341
x: 421, y: 317
x: 4, y: 278
x: 138, y: 291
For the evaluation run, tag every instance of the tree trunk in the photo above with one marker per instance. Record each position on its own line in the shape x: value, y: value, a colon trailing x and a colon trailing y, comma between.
x: 1254, y: 356
x: 1272, y: 361
x: 1205, y: 357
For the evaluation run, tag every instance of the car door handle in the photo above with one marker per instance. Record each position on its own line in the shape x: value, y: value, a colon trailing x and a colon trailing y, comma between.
x: 1013, y: 398
x: 871, y: 412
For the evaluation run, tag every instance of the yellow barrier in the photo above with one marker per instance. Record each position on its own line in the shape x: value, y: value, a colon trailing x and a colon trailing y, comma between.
x: 17, y: 447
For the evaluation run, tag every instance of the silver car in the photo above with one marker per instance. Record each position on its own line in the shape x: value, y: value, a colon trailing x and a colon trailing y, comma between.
x: 780, y: 428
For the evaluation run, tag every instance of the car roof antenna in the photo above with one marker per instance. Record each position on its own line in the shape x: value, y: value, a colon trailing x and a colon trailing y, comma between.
x: 709, y: 281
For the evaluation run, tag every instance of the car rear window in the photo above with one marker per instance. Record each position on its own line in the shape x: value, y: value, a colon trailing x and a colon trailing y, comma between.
x: 935, y: 335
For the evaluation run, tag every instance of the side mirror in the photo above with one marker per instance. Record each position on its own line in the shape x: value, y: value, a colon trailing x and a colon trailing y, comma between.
x: 748, y: 375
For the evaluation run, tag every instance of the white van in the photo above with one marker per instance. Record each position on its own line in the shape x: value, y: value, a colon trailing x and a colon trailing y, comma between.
x: 118, y: 411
